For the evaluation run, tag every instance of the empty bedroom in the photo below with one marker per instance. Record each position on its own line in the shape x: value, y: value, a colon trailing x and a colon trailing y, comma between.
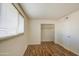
x: 39, y: 29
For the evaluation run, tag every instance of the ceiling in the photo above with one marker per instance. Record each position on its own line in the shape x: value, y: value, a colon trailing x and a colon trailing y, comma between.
x: 49, y: 10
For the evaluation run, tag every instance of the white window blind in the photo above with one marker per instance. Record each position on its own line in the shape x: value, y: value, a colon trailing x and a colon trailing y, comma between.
x: 21, y: 24
x: 11, y: 22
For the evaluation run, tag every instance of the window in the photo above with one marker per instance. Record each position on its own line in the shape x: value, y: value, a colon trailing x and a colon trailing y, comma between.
x: 21, y: 24
x: 11, y: 22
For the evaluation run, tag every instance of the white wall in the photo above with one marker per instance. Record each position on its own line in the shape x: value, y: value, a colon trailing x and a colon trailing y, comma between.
x: 35, y: 29
x: 13, y: 46
x: 67, y: 32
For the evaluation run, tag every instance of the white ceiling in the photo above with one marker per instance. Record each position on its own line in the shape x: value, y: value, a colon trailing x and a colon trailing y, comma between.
x: 49, y: 10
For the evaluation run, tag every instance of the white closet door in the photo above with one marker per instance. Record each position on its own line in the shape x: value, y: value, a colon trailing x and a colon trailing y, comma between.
x: 47, y: 32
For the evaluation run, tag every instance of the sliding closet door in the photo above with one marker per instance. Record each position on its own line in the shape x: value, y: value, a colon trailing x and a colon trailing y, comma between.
x: 47, y: 32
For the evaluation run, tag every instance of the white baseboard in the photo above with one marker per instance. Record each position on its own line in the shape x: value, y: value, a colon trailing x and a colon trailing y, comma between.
x: 68, y: 48
x: 34, y: 43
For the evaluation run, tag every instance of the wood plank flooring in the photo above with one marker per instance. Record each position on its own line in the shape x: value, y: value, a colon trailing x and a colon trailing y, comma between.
x: 47, y: 49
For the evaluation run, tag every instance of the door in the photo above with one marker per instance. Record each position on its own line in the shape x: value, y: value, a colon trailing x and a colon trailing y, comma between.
x: 47, y: 32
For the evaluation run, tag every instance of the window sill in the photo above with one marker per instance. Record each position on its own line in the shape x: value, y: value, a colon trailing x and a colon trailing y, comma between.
x: 12, y: 36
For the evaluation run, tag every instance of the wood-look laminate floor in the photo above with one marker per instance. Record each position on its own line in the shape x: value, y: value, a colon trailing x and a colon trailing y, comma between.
x: 47, y: 49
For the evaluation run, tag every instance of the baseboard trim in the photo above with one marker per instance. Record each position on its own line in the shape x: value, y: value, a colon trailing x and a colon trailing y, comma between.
x: 68, y: 49
x: 25, y: 50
